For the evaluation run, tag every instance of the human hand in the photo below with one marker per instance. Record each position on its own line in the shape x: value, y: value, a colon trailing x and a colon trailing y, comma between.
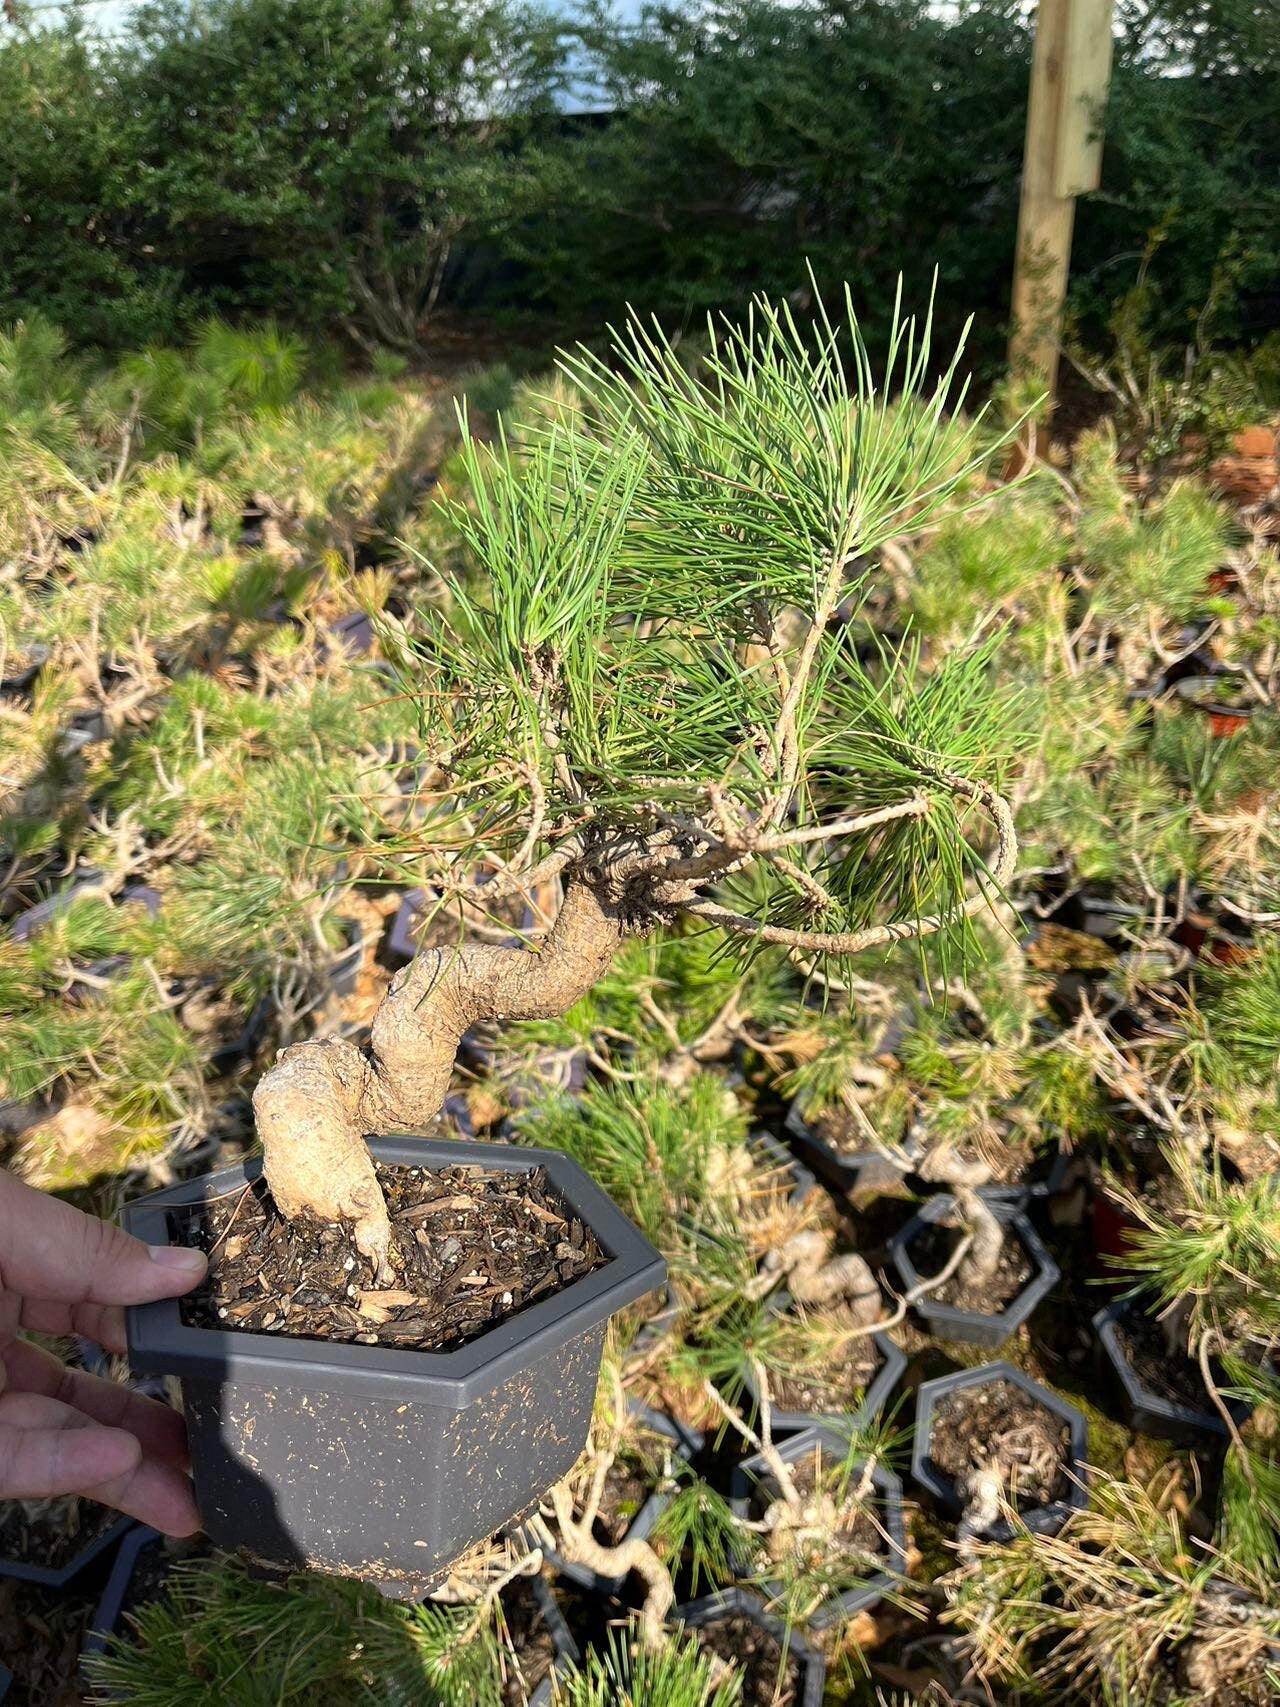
x: 63, y: 1431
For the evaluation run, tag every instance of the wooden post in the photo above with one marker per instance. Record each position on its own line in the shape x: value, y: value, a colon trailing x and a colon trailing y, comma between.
x: 1062, y: 158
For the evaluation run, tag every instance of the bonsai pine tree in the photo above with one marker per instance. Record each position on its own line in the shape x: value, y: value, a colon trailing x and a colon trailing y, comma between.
x: 649, y: 693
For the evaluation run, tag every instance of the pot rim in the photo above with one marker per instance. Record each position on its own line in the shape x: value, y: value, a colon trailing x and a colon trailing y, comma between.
x: 161, y: 1343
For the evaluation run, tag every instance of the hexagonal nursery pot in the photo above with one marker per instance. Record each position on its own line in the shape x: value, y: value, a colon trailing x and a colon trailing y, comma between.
x: 377, y: 1462
x: 106, y: 1620
x: 853, y: 1173
x: 893, y: 1363
x: 1150, y: 1412
x: 683, y: 1443
x: 739, y: 1603
x: 1042, y: 1520
x: 754, y: 1477
x: 973, y: 1327
x: 59, y: 1576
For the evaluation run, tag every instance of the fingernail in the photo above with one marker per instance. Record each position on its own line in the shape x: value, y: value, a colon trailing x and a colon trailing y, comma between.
x: 180, y: 1258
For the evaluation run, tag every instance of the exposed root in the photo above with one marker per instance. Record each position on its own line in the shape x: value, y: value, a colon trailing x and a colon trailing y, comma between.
x: 945, y: 1166
x: 816, y: 1277
x: 576, y: 1543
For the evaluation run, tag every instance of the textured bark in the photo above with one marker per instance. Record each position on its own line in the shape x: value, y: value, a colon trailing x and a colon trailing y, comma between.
x: 814, y: 1276
x: 320, y: 1100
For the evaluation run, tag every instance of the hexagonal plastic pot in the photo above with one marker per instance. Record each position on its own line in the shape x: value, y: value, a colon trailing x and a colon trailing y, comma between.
x: 754, y: 1473
x: 1148, y: 1412
x: 893, y: 1362
x: 685, y: 1442
x: 1042, y: 1520
x: 46, y: 1576
x: 771, y: 1154
x: 741, y: 1603
x: 106, y: 1619
x: 972, y: 1327
x: 850, y: 1173
x: 378, y: 1462
x: 562, y: 1642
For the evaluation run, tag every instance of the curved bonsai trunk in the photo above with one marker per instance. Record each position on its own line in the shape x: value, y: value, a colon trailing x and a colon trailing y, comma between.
x: 945, y: 1167
x: 316, y: 1105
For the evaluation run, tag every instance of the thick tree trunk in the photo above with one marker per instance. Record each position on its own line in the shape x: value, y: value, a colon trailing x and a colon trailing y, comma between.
x: 316, y: 1105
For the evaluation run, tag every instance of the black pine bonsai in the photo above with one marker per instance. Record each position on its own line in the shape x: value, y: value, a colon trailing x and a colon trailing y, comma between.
x: 649, y: 694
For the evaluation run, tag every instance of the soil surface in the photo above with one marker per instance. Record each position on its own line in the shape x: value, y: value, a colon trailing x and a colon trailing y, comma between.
x: 800, y: 1384
x: 1169, y: 1375
x: 534, y: 1650
x: 50, y: 1532
x: 756, y: 1656
x: 932, y: 1247
x: 997, y: 1423
x: 471, y: 1247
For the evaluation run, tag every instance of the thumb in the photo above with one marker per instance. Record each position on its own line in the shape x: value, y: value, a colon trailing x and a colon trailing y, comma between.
x: 50, y: 1250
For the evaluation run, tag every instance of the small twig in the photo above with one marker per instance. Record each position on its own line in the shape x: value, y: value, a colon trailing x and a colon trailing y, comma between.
x: 1211, y: 1388
x: 230, y: 1218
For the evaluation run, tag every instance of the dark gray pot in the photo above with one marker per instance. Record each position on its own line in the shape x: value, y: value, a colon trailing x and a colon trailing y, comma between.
x: 851, y: 1173
x: 685, y: 1442
x: 344, y: 968
x: 566, y: 1649
x: 6, y: 1678
x: 44, y: 1576
x: 970, y: 1327
x: 33, y: 919
x: 876, y: 1397
x: 755, y: 1474
x: 398, y: 946
x: 1043, y: 1520
x: 771, y: 1154
x: 378, y: 1463
x: 106, y: 1620
x: 728, y: 1602
x: 1152, y: 1413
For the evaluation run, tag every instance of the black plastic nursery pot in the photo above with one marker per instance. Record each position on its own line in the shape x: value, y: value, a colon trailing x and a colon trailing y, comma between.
x: 1223, y: 699
x: 344, y: 968
x: 60, y: 1576
x: 33, y: 919
x: 796, y: 1650
x: 852, y: 1173
x: 798, y: 1180
x: 684, y: 1443
x: 106, y: 1619
x: 1041, y: 1520
x: 893, y: 1363
x: 376, y: 1462
x: 566, y: 1651
x: 753, y: 1476
x: 972, y: 1327
x: 1147, y: 1411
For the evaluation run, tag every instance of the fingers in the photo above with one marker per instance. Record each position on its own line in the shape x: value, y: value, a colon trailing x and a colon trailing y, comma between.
x: 50, y: 1250
x: 48, y: 1449
x: 158, y: 1430
x: 101, y: 1323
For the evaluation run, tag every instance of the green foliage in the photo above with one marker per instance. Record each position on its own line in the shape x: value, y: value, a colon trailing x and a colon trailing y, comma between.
x: 1147, y: 564
x: 317, y: 1639
x: 649, y: 1144
x: 627, y: 550
x: 626, y: 1674
x: 976, y: 568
